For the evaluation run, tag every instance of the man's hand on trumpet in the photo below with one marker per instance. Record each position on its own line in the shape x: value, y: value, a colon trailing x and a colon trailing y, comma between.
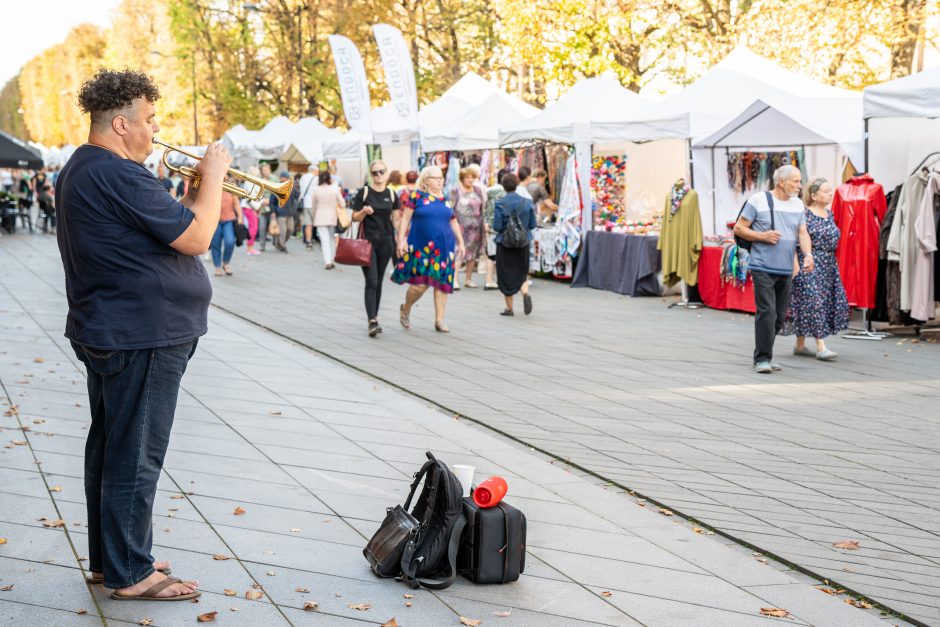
x: 212, y: 168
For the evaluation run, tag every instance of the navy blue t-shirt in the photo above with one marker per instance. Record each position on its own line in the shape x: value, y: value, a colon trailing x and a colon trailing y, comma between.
x: 126, y: 287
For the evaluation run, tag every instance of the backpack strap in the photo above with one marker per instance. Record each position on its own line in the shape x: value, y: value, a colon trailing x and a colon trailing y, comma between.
x: 770, y: 204
x: 409, y: 567
x: 414, y: 484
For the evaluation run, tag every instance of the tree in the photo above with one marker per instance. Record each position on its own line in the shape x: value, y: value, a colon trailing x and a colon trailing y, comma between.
x: 11, y: 110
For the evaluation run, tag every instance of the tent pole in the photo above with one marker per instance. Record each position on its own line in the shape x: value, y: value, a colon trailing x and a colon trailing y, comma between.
x: 691, y: 168
x: 714, y: 195
x: 866, y: 144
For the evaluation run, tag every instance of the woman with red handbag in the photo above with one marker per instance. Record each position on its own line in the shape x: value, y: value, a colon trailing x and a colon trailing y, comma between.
x: 375, y: 207
x: 429, y: 243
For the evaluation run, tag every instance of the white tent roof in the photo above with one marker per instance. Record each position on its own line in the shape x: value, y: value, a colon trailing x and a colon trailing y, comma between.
x: 914, y: 96
x: 743, y: 77
x: 597, y: 110
x: 303, y: 151
x: 478, y: 128
x: 783, y: 125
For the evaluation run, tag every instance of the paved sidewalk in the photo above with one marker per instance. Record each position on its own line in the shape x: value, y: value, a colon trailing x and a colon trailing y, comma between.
x: 314, y: 452
x: 665, y: 403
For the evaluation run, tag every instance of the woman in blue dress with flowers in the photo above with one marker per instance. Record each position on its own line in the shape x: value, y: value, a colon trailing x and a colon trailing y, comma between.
x: 429, y: 242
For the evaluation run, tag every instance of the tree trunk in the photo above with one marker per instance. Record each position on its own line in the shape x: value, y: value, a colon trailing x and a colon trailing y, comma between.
x: 913, y: 13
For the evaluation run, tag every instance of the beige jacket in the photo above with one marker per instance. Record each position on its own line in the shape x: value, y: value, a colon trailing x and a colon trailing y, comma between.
x: 325, y: 200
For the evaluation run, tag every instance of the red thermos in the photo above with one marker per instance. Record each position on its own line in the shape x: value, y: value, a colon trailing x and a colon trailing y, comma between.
x: 490, y: 492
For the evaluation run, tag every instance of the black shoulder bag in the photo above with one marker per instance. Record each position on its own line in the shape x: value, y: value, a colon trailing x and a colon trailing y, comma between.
x: 745, y: 244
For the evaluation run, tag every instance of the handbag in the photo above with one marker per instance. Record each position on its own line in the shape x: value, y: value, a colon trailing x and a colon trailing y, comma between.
x: 273, y: 228
x: 385, y: 549
x: 342, y: 218
x: 354, y: 251
x: 241, y: 234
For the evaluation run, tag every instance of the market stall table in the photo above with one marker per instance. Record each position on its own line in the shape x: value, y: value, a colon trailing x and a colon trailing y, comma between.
x: 618, y: 262
x: 714, y: 292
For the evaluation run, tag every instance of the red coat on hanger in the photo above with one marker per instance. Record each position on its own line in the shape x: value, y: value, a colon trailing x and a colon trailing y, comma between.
x: 858, y: 207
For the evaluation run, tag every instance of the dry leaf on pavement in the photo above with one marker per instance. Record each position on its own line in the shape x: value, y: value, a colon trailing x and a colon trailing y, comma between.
x: 54, y: 523
x: 18, y: 442
x: 254, y: 595
x: 390, y: 623
x: 239, y: 511
x: 311, y: 606
x: 470, y: 622
x: 829, y: 590
x: 409, y: 596
x: 229, y: 592
x: 503, y: 613
x: 362, y: 607
x: 301, y: 590
x: 81, y: 610
x: 145, y: 621
x: 774, y: 611
x: 295, y: 530
x: 220, y: 558
x: 3, y: 540
x: 176, y: 496
x: 859, y: 603
x: 665, y: 512
x: 607, y: 593
x: 208, y: 617
x: 55, y: 488
x: 7, y: 588
x: 274, y: 412
x: 38, y: 360
x: 698, y: 530
x: 849, y: 545
x: 408, y: 604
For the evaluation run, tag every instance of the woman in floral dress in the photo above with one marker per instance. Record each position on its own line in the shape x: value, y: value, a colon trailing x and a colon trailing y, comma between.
x: 429, y: 244
x: 468, y: 199
x: 818, y: 306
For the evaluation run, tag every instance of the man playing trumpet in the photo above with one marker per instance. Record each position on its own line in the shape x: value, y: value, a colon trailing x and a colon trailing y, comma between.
x: 138, y: 300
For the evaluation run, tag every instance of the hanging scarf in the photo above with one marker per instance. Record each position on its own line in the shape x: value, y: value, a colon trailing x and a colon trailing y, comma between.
x: 677, y: 194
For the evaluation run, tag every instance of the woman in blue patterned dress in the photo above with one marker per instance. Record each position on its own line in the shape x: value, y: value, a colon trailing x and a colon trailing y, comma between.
x: 818, y: 306
x: 429, y: 243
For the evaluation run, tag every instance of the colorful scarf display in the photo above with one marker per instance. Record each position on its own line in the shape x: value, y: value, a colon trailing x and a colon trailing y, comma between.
x: 608, y: 187
x: 676, y: 196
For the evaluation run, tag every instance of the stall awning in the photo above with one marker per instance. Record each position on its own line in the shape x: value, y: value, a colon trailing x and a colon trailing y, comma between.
x: 16, y: 154
x: 914, y: 96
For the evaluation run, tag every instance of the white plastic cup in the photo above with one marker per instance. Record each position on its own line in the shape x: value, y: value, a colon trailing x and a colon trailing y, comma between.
x: 465, y: 475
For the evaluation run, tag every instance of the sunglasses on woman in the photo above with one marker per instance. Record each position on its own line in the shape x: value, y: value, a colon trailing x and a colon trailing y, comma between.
x: 378, y: 172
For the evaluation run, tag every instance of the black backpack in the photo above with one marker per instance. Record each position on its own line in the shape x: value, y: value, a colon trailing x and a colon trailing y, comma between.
x: 514, y: 235
x: 430, y: 556
x: 745, y: 244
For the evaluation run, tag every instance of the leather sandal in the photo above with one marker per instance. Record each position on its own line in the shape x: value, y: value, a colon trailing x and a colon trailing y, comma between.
x: 150, y: 594
x: 507, y: 312
x: 404, y: 318
x: 98, y: 578
x: 440, y: 327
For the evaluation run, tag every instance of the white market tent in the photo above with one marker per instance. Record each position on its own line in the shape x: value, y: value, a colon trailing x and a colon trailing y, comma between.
x: 902, y: 119
x: 790, y: 111
x: 600, y: 113
x: 478, y: 128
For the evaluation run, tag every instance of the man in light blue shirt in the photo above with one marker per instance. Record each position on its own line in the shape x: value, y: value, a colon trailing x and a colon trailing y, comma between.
x: 774, y: 222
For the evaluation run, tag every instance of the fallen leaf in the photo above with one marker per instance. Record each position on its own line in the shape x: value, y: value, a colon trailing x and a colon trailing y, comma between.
x: 176, y: 496
x: 239, y: 511
x: 829, y: 590
x: 698, y: 530
x: 54, y: 523
x: 390, y: 623
x: 607, y: 593
x: 409, y: 596
x: 295, y: 530
x: 221, y: 558
x: 254, y: 595
x: 7, y: 588
x: 3, y: 540
x: 81, y: 610
x: 234, y: 609
x: 145, y: 621
x: 268, y: 552
x: 859, y: 603
x: 302, y: 590
x: 257, y: 586
x: 408, y: 604
x: 337, y: 594
x: 208, y: 617
x: 55, y: 488
x: 774, y: 611
x: 849, y: 545
x: 38, y: 421
x: 470, y: 622
x: 38, y: 360
x: 18, y: 442
x: 229, y: 592
x: 665, y: 512
x: 311, y: 606
x: 271, y: 573
x: 503, y: 613
x: 762, y: 560
x: 362, y: 607
x: 274, y: 412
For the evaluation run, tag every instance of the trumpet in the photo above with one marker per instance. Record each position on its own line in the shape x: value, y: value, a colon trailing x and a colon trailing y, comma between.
x: 260, y: 186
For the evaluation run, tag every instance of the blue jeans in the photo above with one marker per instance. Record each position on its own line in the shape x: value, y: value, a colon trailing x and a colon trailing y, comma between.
x: 223, y: 243
x: 132, y: 396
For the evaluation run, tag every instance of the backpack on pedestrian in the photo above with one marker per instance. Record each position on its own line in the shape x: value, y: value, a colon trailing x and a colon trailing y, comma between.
x: 515, y: 235
x: 745, y: 244
x: 421, y: 546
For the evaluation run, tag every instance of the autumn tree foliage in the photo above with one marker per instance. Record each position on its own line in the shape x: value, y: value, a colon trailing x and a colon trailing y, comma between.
x: 223, y: 62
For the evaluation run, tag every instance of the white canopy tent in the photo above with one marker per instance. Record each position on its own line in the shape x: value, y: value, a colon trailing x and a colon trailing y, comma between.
x: 478, y: 128
x: 794, y: 112
x: 902, y: 123
x: 600, y: 112
x: 762, y: 126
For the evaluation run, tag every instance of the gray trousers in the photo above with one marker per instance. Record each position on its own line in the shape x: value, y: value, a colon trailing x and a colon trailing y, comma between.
x: 263, y: 221
x: 771, y: 298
